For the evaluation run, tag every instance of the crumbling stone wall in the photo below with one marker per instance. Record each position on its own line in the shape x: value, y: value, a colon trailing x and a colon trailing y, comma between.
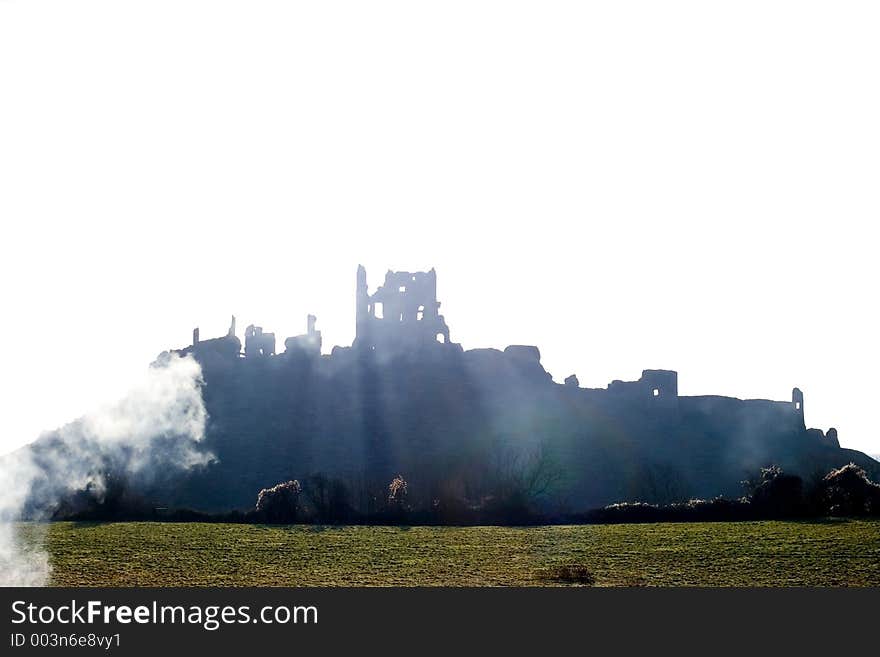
x: 257, y: 343
x: 309, y: 343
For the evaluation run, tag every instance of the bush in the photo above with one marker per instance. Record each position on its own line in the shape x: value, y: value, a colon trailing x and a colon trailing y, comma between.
x: 510, y: 508
x: 568, y: 573
x: 776, y: 494
x: 717, y: 509
x: 849, y: 492
x: 630, y: 512
x: 397, y: 493
x: 450, y: 509
x: 279, y: 504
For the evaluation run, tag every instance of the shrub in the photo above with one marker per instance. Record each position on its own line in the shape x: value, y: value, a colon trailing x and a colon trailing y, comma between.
x: 775, y: 493
x: 569, y: 574
x: 280, y: 503
x: 630, y: 512
x: 397, y: 493
x: 716, y: 509
x: 848, y: 491
x: 450, y: 509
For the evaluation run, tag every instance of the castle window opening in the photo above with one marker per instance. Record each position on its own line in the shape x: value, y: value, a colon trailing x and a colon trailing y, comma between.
x: 441, y: 338
x: 420, y: 315
x: 656, y: 392
x: 797, y: 406
x: 402, y: 288
x: 377, y: 310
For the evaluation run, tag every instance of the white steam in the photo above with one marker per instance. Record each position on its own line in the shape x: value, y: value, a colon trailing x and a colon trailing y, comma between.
x: 155, y: 429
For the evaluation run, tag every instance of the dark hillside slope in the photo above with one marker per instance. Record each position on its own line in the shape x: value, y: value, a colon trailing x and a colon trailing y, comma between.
x: 450, y: 420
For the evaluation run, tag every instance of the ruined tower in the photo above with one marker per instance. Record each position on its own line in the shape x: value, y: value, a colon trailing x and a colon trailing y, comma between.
x: 362, y: 302
x: 257, y: 343
x: 797, y: 400
x: 402, y: 313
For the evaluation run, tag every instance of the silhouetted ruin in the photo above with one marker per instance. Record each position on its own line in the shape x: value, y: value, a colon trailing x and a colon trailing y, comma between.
x: 309, y: 343
x: 475, y: 429
x: 228, y: 346
x: 402, y: 313
x: 257, y: 343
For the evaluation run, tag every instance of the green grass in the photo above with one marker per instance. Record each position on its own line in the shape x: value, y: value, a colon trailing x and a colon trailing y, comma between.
x: 826, y: 553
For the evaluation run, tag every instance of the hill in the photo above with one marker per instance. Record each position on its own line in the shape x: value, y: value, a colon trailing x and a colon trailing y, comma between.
x: 464, y: 427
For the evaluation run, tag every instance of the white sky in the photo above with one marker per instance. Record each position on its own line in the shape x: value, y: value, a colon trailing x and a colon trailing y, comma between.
x: 628, y: 185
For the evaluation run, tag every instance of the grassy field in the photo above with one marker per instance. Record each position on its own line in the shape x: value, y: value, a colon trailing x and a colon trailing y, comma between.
x: 828, y: 553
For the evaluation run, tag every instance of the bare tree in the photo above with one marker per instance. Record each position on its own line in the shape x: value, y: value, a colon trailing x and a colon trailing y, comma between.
x: 660, y: 483
x: 528, y: 475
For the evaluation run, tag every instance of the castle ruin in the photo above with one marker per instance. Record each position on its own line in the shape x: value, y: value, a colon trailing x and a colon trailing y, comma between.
x: 403, y: 315
x: 402, y: 312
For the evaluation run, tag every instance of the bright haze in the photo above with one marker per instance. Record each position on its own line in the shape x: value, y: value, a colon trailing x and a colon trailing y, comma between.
x: 681, y: 185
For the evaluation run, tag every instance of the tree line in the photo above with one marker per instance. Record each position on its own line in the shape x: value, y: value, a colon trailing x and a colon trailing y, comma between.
x: 511, y: 495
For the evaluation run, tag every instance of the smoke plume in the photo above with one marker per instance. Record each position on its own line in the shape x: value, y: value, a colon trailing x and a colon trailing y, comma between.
x: 155, y: 429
